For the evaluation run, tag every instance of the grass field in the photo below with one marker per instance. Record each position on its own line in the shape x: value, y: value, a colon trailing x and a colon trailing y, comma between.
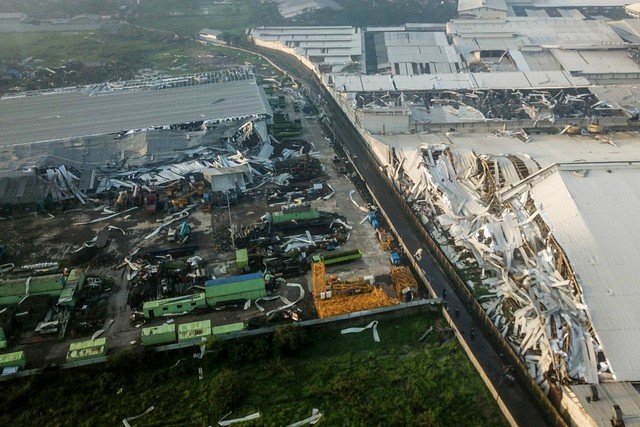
x: 126, y: 45
x: 229, y: 18
x: 350, y: 378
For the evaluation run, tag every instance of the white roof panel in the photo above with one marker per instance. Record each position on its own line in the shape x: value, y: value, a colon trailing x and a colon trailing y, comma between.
x: 71, y: 114
x: 466, y: 5
x: 593, y: 217
x: 596, y: 62
x: 457, y: 81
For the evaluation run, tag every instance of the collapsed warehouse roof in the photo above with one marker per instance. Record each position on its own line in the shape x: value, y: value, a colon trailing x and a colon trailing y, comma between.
x: 543, y: 256
x: 141, y: 160
x: 578, y: 203
x: 69, y: 114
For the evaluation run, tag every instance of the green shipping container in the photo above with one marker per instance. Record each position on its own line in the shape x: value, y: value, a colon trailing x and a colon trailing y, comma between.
x: 194, y: 331
x: 158, y: 335
x: 171, y: 306
x: 84, y: 350
x: 242, y: 258
x: 237, y: 288
x: 282, y: 217
x: 12, y: 291
x: 13, y: 359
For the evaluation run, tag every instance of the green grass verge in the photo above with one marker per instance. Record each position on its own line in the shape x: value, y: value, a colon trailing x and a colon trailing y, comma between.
x: 350, y: 378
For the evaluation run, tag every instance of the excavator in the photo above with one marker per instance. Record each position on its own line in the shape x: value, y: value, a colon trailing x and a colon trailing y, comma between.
x: 183, y: 232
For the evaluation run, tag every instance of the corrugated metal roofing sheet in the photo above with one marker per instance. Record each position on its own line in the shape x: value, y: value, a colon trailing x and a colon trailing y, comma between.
x: 622, y: 394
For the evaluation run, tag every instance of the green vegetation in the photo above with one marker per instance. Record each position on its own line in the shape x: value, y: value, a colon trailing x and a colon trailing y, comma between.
x: 224, y: 17
x: 350, y: 378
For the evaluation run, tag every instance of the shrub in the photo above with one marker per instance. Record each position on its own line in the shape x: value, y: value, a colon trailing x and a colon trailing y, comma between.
x: 288, y: 339
x: 227, y: 390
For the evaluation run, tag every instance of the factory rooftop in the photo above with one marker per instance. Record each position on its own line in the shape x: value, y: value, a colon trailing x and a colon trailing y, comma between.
x: 590, y: 209
x: 330, y: 45
x: 471, y: 35
x: 455, y: 81
x: 70, y: 114
x: 414, y: 52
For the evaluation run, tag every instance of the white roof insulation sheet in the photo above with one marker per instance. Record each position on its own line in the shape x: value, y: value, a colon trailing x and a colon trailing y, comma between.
x: 334, y: 40
x: 593, y: 216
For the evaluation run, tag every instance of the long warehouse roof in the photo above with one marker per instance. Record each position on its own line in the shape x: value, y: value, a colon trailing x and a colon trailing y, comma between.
x: 591, y: 211
x: 72, y: 114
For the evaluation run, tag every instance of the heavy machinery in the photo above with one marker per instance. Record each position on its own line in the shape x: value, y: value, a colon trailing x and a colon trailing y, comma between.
x: 206, y: 202
x: 150, y: 203
x: 179, y: 202
x: 183, y: 232
x: 334, y: 297
x: 394, y: 257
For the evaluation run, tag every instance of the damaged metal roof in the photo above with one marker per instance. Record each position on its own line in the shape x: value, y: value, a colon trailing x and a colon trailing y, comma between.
x: 70, y: 114
x: 591, y: 210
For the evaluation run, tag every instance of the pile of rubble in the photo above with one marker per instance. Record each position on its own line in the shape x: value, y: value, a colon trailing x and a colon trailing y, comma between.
x: 511, y: 261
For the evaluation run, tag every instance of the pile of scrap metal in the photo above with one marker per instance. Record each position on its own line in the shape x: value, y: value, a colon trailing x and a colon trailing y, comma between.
x: 283, y: 241
x: 538, y: 105
x: 508, y: 255
x: 233, y: 157
x: 157, y: 275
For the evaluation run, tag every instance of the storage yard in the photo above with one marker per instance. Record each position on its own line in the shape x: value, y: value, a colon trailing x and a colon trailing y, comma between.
x: 264, y: 224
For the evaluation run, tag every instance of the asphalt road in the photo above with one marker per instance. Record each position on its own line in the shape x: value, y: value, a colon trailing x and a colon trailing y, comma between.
x: 515, y: 398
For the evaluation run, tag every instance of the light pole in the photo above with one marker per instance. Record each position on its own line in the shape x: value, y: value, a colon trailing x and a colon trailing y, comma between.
x: 233, y: 242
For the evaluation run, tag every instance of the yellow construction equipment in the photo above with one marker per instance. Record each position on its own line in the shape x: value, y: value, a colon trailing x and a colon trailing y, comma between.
x: 335, y: 297
x: 594, y: 127
x: 318, y: 279
x: 197, y: 189
x: 386, y: 239
x: 402, y: 278
x: 179, y: 202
